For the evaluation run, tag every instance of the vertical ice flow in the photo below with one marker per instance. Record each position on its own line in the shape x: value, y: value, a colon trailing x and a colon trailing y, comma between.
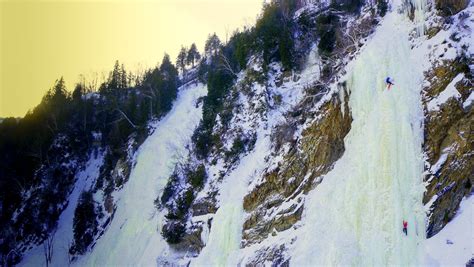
x: 222, y: 248
x: 133, y: 238
x: 354, y: 217
x: 419, y: 7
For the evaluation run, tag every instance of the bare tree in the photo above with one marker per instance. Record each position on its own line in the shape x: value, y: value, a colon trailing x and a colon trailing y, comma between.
x: 70, y: 257
x: 5, y: 258
x: 21, y: 185
x: 92, y: 82
x: 126, y: 117
x: 150, y: 96
x: 225, y: 64
x: 139, y: 74
x: 48, y: 247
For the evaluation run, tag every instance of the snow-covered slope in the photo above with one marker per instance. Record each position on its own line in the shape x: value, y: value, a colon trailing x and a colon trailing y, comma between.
x: 64, y: 234
x: 132, y: 238
x: 454, y: 245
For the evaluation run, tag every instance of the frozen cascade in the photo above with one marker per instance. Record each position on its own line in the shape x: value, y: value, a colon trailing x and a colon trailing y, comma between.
x: 419, y: 18
x: 354, y: 217
x: 222, y: 248
x: 132, y: 238
x: 223, y: 245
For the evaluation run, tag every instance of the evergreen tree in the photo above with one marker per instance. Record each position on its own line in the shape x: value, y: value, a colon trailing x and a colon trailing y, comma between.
x: 115, y: 77
x: 181, y: 59
x: 243, y: 42
x: 193, y: 55
x: 59, y: 93
x: 123, y: 77
x: 80, y: 104
x: 169, y: 83
x: 285, y: 48
x: 84, y: 223
x: 273, y: 31
x: 212, y: 46
x: 132, y: 109
x: 55, y: 105
x: 78, y: 92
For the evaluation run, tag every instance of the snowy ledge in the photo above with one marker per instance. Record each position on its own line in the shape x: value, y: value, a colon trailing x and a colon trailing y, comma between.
x: 453, y: 245
x: 446, y: 94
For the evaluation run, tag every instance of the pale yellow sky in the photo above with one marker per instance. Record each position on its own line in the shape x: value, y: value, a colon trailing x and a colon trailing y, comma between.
x: 43, y: 40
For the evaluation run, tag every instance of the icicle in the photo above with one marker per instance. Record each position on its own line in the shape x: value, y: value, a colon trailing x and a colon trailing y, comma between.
x: 420, y: 8
x: 342, y: 99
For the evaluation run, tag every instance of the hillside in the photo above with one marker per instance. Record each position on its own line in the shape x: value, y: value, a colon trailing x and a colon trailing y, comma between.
x: 282, y: 146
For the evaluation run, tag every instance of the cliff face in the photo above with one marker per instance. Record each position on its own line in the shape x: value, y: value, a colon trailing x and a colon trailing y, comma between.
x: 278, y: 133
x: 277, y: 203
x: 311, y: 139
x: 305, y: 116
x: 447, y: 99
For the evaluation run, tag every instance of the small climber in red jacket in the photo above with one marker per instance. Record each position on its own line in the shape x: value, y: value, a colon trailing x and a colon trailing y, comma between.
x: 405, y: 226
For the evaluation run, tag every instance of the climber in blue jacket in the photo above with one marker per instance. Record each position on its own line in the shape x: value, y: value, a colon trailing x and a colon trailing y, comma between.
x: 389, y: 82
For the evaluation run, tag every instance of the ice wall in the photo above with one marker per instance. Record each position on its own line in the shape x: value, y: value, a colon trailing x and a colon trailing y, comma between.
x: 354, y: 217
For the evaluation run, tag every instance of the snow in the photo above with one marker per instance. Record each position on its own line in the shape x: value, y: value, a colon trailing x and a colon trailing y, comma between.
x: 354, y: 217
x: 93, y: 95
x: 468, y: 101
x: 439, y: 164
x: 133, y: 237
x: 454, y: 244
x: 292, y: 91
x: 442, y: 46
x: 64, y: 233
x: 446, y: 94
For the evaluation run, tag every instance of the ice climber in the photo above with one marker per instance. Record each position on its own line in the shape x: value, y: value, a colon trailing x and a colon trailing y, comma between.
x: 389, y: 82
x: 405, y: 226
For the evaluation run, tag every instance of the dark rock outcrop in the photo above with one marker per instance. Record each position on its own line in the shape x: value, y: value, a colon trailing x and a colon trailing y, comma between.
x: 449, y: 144
x: 322, y: 143
x: 450, y: 7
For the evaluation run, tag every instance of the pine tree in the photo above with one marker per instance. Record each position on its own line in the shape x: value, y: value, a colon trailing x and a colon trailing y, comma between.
x: 59, y: 89
x: 213, y: 45
x: 181, y: 59
x: 243, y: 42
x: 193, y: 55
x: 58, y: 96
x: 123, y: 77
x: 114, y: 79
x: 84, y: 223
x: 168, y: 87
x: 78, y: 92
